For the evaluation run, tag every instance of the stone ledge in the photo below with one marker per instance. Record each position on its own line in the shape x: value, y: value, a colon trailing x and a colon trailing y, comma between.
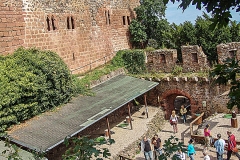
x: 107, y: 77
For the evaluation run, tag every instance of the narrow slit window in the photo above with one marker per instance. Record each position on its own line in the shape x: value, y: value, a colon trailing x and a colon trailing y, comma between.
x: 128, y: 20
x: 109, y: 22
x: 124, y: 20
x: 72, y: 22
x: 53, y: 23
x: 68, y: 23
x: 48, y: 24
x: 194, y: 57
x: 73, y: 56
x: 162, y: 58
x: 106, y: 16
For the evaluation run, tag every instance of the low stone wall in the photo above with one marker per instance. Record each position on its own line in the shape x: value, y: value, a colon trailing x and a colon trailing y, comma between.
x: 155, y: 126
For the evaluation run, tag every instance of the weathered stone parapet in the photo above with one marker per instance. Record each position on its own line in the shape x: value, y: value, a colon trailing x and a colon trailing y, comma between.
x: 194, y: 59
x: 229, y: 50
x: 161, y: 60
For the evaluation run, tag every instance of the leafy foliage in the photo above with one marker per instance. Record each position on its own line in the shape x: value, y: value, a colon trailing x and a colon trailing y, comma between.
x: 32, y: 82
x: 220, y: 9
x: 170, y: 147
x: 225, y: 73
x: 84, y: 148
x: 149, y: 13
x: 134, y: 61
x: 209, y: 39
x: 138, y: 35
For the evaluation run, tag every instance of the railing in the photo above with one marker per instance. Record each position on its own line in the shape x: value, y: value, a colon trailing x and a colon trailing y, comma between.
x: 200, y: 138
x: 191, y: 124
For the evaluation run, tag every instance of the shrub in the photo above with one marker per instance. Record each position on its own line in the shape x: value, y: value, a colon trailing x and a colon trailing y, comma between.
x: 134, y: 61
x: 32, y: 82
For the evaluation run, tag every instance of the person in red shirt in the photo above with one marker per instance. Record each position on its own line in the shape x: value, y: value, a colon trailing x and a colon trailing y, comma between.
x: 231, y: 144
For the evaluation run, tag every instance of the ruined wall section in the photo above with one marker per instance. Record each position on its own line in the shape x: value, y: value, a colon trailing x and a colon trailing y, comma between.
x: 194, y: 59
x: 197, y: 89
x: 162, y: 60
x: 229, y: 50
x: 11, y: 26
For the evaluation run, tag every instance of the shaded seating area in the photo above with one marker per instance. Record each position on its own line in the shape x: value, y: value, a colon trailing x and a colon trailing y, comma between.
x: 44, y: 132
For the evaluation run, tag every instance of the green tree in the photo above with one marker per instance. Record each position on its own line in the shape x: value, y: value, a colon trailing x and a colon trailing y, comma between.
x: 209, y: 39
x: 138, y: 35
x: 149, y: 12
x: 163, y: 34
x: 188, y: 34
x: 220, y: 9
x: 235, y: 31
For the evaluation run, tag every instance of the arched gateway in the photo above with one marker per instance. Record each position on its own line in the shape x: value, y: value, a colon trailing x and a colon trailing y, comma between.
x: 168, y: 97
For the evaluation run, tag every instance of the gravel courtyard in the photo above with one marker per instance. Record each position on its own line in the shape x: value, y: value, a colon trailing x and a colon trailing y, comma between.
x: 125, y: 137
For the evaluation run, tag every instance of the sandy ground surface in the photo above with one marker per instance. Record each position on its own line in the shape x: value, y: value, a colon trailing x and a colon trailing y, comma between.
x: 124, y: 137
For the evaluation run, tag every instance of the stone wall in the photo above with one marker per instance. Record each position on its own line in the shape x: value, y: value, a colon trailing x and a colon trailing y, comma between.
x: 197, y: 89
x: 81, y: 32
x: 161, y: 60
x: 231, y: 50
x: 193, y: 59
x: 12, y: 27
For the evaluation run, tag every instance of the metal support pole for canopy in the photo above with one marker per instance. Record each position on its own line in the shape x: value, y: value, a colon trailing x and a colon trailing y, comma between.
x: 145, y: 101
x: 129, y: 114
x: 108, y: 126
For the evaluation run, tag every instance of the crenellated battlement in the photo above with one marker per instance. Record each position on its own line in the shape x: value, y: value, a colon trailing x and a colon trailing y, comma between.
x: 193, y: 57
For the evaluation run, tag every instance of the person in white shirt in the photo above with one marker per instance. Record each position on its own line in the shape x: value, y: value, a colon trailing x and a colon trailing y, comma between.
x: 206, y: 156
x: 181, y: 155
x: 174, y: 121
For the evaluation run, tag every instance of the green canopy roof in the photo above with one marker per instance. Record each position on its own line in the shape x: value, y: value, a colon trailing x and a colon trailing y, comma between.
x: 46, y: 131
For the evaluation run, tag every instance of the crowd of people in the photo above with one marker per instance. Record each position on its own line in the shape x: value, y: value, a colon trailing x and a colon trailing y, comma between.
x: 152, y: 148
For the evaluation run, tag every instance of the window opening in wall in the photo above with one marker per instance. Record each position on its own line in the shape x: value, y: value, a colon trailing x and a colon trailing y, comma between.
x: 124, y: 19
x: 162, y: 58
x: 68, y: 23
x: 48, y: 23
x: 72, y: 22
x: 53, y: 22
x: 128, y: 20
x: 106, y: 17
x: 109, y: 17
x: 194, y: 57
x: 73, y: 56
x: 232, y: 54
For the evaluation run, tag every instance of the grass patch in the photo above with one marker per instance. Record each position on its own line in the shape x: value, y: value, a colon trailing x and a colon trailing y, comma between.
x: 122, y: 125
x: 227, y: 116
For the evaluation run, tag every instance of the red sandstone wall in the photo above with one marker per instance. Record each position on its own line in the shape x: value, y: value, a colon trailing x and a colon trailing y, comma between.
x: 196, y: 89
x: 11, y: 26
x: 98, y: 29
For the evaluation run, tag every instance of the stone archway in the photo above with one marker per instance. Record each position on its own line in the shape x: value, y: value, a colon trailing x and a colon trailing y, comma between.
x: 167, y: 101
